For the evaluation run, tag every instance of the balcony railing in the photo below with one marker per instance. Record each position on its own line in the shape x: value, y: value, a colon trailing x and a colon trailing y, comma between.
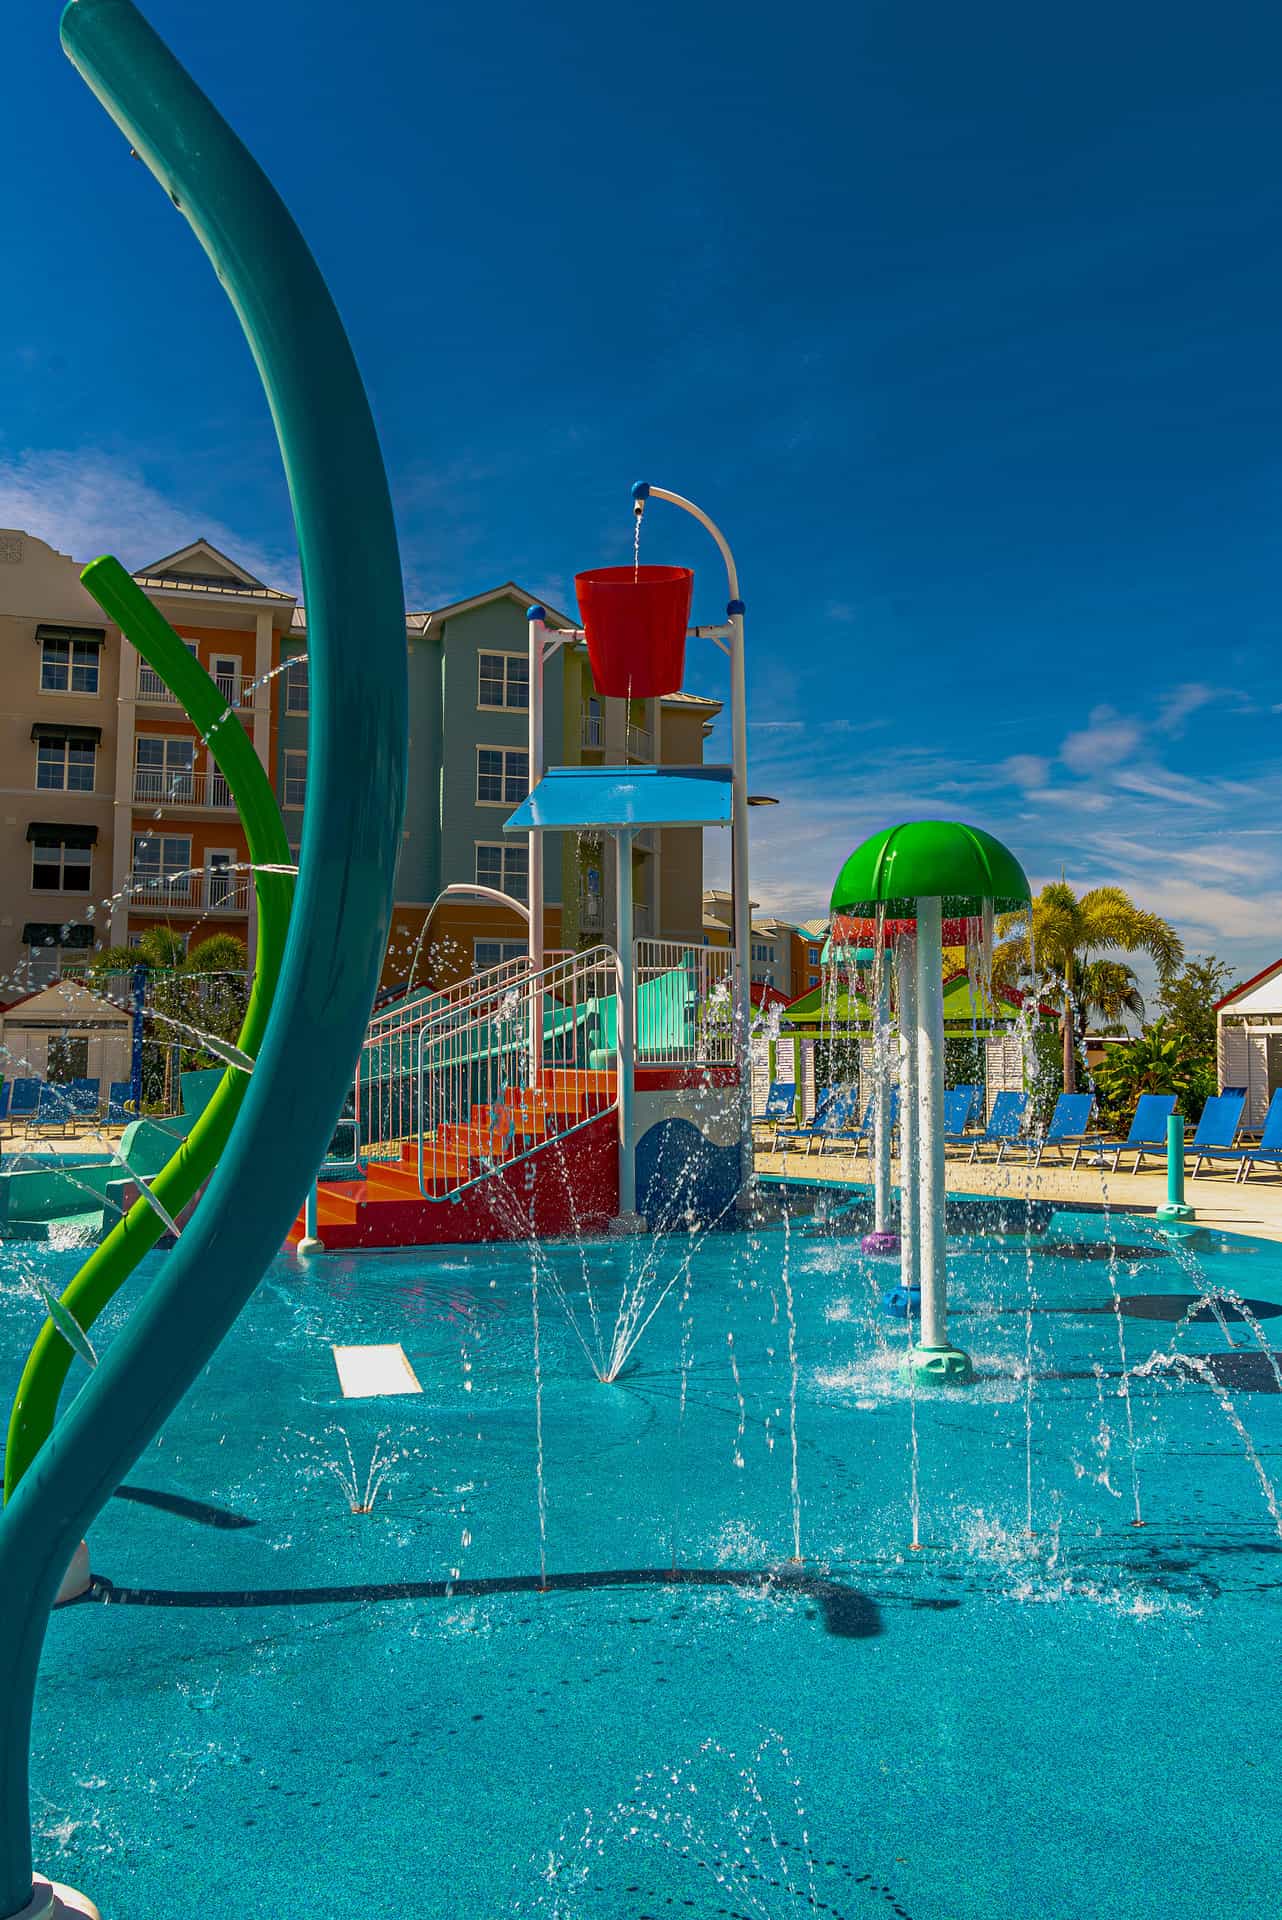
x: 640, y: 742
x: 178, y: 787
x: 210, y: 892
x: 151, y: 688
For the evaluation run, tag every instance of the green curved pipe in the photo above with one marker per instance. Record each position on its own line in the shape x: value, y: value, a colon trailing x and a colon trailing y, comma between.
x: 35, y: 1405
x: 351, y: 838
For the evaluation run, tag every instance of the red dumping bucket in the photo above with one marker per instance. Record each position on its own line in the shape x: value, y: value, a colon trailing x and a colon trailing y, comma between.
x: 635, y: 620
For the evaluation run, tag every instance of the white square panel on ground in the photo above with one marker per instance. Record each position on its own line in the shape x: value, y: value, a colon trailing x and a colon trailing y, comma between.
x: 368, y: 1373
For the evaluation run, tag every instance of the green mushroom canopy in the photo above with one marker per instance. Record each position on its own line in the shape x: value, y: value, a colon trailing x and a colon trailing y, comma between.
x: 962, y: 866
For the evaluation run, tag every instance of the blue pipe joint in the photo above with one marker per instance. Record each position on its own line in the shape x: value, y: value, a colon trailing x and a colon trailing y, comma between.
x: 900, y: 1300
x: 733, y: 607
x: 641, y: 491
x: 536, y: 613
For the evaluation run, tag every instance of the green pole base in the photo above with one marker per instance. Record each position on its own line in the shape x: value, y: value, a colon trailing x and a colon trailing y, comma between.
x: 939, y: 1367
x: 1176, y: 1210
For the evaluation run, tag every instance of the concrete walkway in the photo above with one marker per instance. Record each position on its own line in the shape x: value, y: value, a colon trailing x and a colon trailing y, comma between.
x: 1254, y: 1207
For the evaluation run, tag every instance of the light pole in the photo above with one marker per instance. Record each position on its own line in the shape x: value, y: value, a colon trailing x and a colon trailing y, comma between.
x: 730, y: 639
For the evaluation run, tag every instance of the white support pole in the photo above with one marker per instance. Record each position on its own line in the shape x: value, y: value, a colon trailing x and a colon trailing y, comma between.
x: 881, y: 1096
x: 624, y: 1027
x: 538, y: 631
x: 742, y: 885
x: 930, y: 1122
x: 909, y: 1167
x: 311, y: 1241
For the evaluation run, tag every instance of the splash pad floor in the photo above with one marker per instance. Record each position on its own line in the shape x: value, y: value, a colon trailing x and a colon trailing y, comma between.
x: 274, y: 1702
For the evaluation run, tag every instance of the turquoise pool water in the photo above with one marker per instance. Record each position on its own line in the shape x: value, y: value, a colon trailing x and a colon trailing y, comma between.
x: 276, y: 1706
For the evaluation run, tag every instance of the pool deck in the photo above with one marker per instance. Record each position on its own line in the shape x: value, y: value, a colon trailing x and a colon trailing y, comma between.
x: 1254, y: 1207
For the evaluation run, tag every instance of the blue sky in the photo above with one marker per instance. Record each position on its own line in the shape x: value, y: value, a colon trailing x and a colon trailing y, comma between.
x: 963, y: 322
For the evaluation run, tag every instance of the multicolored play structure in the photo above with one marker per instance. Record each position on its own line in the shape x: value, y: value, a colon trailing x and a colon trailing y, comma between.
x: 608, y: 1087
x: 904, y: 893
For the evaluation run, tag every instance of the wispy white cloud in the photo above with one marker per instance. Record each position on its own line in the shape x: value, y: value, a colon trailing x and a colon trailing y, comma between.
x: 85, y: 502
x: 1181, y: 702
x: 1108, y: 740
x: 1026, y: 770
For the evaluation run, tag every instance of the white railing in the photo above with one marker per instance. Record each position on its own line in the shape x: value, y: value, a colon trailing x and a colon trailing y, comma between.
x: 213, y: 892
x: 684, y: 1004
x: 592, y: 731
x: 152, y: 689
x: 640, y: 744
x: 387, y: 1105
x: 518, y: 1065
x: 182, y: 787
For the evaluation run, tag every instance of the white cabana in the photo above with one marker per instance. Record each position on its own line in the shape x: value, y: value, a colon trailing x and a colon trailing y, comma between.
x: 1249, y: 1040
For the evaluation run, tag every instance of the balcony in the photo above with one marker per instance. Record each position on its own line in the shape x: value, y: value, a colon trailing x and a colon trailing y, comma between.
x: 182, y: 789
x: 211, y: 892
x: 153, y: 692
x: 640, y: 744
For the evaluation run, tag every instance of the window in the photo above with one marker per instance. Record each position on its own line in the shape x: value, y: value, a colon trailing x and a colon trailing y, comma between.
x: 224, y: 670
x: 490, y: 953
x: 295, y: 777
x: 502, y: 776
x: 814, y: 979
x: 163, y: 767
x: 504, y: 867
x: 813, y: 956
x: 58, y: 868
x: 296, y: 685
x: 68, y: 661
x: 67, y: 1058
x: 162, y: 864
x: 762, y: 952
x: 503, y: 680
x: 65, y: 763
x: 54, y: 949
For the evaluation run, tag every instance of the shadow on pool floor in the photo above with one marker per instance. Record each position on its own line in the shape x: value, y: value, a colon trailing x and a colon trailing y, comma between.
x: 847, y: 1612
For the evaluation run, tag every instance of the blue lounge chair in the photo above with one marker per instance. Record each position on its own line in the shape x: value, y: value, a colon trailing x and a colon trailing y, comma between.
x: 1269, y: 1151
x: 84, y: 1098
x: 863, y: 1131
x: 959, y: 1108
x: 1004, y: 1124
x: 832, y: 1118
x: 1147, y: 1134
x: 1066, y: 1127
x: 121, y: 1091
x: 976, y: 1093
x: 1217, y: 1129
x: 781, y: 1104
x: 53, y: 1111
x: 24, y: 1100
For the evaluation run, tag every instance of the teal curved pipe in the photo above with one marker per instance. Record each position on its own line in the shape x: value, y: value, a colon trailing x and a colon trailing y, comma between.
x: 355, y: 802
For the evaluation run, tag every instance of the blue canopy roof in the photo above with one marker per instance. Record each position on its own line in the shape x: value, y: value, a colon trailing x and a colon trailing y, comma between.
x: 569, y: 799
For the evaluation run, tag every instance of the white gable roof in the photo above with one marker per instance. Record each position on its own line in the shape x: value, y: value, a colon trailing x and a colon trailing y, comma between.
x: 1261, y: 994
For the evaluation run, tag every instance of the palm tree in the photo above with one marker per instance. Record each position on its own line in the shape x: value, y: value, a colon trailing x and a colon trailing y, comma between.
x: 189, y: 994
x: 1073, y: 937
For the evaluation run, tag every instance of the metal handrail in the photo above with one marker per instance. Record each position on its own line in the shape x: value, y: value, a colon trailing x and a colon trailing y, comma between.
x: 485, y: 1064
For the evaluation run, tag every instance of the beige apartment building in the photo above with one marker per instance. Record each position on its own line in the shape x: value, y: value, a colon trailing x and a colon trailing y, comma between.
x: 60, y: 670
x: 116, y: 818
